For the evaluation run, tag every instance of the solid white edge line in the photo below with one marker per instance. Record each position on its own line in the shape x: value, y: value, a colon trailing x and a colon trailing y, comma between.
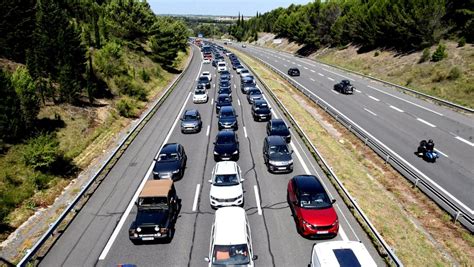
x: 245, y: 132
x: 199, y: 72
x: 117, y: 229
x: 298, y: 155
x: 338, y: 74
x: 439, y: 151
x: 397, y: 109
x: 235, y: 86
x: 257, y: 199
x: 371, y: 112
x: 425, y: 122
x: 464, y: 140
x: 376, y: 99
x: 238, y: 101
x: 196, y: 196
x: 208, y: 129
x: 430, y: 110
x: 212, y: 101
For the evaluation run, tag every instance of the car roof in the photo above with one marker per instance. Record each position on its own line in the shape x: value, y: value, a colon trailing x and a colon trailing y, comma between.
x: 277, y: 121
x: 227, y: 108
x: 226, y: 167
x: 260, y: 102
x: 230, y: 226
x: 156, y: 188
x: 275, y: 140
x: 169, y: 148
x: 223, y: 95
x: 308, y: 184
x: 226, y: 133
x: 336, y: 253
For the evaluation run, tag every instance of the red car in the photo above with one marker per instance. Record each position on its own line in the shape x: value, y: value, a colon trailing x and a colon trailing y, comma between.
x: 311, y: 207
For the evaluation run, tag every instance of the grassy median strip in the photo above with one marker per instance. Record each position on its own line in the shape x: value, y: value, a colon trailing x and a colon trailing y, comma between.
x: 420, y: 233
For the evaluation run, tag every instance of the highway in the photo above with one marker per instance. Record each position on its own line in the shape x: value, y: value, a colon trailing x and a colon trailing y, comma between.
x: 98, y: 236
x: 398, y: 120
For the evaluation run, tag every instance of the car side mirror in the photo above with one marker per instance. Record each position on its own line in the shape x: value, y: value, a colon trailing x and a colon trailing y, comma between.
x: 136, y: 203
x: 289, y: 127
x: 236, y: 115
x: 255, y: 257
x: 295, y: 202
x: 181, y: 119
x: 214, y: 143
x: 210, y: 181
x: 333, y: 201
x: 241, y: 180
x: 206, y: 259
x: 292, y: 151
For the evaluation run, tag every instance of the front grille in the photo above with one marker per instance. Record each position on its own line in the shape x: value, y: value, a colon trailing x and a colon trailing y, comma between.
x: 321, y: 228
x: 147, y: 230
x: 227, y: 199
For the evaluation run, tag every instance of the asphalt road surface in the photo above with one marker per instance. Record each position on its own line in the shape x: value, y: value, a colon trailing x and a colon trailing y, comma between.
x: 398, y: 120
x: 99, y: 234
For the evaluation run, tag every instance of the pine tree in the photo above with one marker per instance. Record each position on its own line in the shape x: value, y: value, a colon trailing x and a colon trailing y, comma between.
x: 11, y: 125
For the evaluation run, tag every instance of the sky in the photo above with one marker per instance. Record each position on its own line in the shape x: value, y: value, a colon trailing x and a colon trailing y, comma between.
x: 218, y: 7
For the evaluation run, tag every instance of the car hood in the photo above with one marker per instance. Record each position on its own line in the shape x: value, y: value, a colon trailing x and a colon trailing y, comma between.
x: 255, y: 96
x: 224, y: 103
x: 200, y: 96
x: 226, y: 120
x: 155, y: 217
x: 224, y: 192
x: 166, y: 166
x: 262, y: 111
x: 225, y: 148
x: 189, y: 123
x: 280, y: 132
x: 319, y: 216
x: 280, y: 157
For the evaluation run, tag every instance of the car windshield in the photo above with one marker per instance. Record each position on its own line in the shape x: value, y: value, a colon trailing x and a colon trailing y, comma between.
x: 244, y: 71
x: 226, y: 113
x: 226, y: 180
x: 225, y: 73
x: 152, y: 201
x: 225, y: 139
x: 261, y: 106
x: 315, y: 201
x: 231, y: 255
x: 200, y: 92
x: 203, y: 79
x: 168, y: 157
x: 223, y: 99
x: 281, y: 149
x: 189, y: 117
x: 255, y: 92
x: 225, y: 84
x: 279, y: 126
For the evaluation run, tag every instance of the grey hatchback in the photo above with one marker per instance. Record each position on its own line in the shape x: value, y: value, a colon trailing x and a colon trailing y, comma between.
x: 276, y: 154
x: 191, y: 121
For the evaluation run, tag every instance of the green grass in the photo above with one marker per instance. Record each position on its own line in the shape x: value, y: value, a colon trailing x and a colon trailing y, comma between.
x: 379, y: 190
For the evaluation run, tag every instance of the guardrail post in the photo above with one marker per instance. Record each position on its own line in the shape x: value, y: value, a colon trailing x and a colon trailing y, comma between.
x: 457, y: 216
x: 416, y: 183
x: 387, y: 158
x: 350, y: 127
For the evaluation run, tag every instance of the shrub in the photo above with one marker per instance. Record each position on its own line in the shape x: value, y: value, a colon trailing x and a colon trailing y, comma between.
x: 409, y: 81
x: 145, y: 75
x: 109, y: 60
x: 126, y: 108
x: 425, y: 56
x: 438, y: 77
x: 440, y: 53
x: 462, y: 42
x: 376, y: 54
x: 41, y: 180
x: 42, y: 152
x: 454, y: 73
x: 129, y: 87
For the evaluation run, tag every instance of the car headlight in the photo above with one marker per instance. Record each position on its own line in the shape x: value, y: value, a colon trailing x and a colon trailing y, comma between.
x: 336, y: 222
x: 235, y: 152
x: 307, y: 224
x: 272, y: 162
x: 176, y: 171
x: 139, y: 229
x: 215, y: 153
x: 290, y: 161
x: 157, y: 228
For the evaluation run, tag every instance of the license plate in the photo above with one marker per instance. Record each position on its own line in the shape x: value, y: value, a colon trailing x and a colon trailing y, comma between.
x: 147, y: 238
x: 225, y: 158
x: 263, y: 117
x: 282, y: 168
x: 323, y: 232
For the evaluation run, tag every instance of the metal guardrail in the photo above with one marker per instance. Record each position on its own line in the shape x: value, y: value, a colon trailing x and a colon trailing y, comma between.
x: 32, y: 251
x: 454, y: 207
x: 387, y: 248
x: 436, y: 99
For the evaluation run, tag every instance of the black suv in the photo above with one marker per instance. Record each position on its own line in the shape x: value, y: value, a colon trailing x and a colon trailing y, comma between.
x: 278, y: 127
x: 222, y: 101
x: 344, y: 87
x: 157, y: 210
x: 276, y: 154
x: 191, y: 121
x: 227, y: 118
x: 294, y: 72
x: 204, y: 81
x: 226, y: 146
x: 170, y: 163
x: 261, y: 111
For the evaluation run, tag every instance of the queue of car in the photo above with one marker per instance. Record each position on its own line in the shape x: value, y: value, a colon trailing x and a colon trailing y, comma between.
x: 230, y: 242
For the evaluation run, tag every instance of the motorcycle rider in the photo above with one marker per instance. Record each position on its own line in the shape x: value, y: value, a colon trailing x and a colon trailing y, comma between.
x: 430, y: 146
x: 422, y: 148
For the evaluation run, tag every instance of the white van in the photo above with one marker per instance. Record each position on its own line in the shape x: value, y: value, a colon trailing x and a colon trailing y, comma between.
x: 341, y: 253
x: 231, y: 241
x: 221, y: 66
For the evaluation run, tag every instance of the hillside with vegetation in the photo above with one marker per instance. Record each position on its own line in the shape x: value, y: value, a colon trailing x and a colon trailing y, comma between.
x: 73, y: 75
x: 425, y: 45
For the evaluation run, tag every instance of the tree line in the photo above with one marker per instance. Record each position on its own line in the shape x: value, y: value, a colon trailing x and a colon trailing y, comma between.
x: 56, y: 40
x: 404, y: 25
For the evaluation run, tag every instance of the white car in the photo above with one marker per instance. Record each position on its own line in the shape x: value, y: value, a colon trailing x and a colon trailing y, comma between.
x: 244, y: 72
x: 200, y: 96
x: 207, y: 74
x: 239, y: 69
x: 341, y: 253
x: 206, y: 61
x: 226, y: 185
x: 221, y: 66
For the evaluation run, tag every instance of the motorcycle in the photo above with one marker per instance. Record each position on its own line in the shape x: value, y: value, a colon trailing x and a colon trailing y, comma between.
x: 428, y: 155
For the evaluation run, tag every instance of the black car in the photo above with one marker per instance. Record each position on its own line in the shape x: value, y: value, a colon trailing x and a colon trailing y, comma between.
x: 157, y: 210
x: 222, y: 101
x: 226, y: 146
x: 293, y: 72
x: 224, y: 84
x: 254, y: 94
x: 204, y: 81
x: 170, y: 163
x: 247, y: 83
x: 276, y: 154
x: 225, y: 90
x: 278, y: 127
x: 191, y: 121
x: 227, y: 119
x: 344, y: 87
x: 261, y: 111
x: 224, y: 75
